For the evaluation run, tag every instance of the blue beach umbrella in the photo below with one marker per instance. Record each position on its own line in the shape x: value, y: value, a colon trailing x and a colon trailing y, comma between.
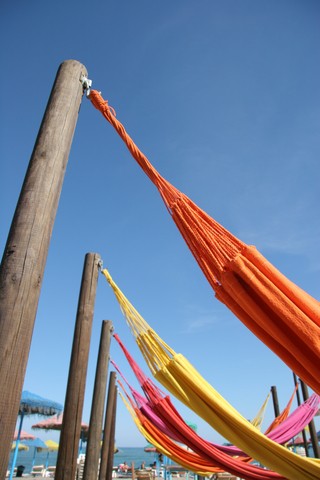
x: 38, y: 445
x: 32, y: 404
x: 51, y: 446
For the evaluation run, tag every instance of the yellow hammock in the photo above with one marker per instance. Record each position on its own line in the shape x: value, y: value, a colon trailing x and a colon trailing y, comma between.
x: 188, y: 458
x: 180, y: 378
x: 258, y: 419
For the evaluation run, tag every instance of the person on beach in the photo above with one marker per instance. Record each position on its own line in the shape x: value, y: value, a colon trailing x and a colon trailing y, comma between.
x: 123, y: 467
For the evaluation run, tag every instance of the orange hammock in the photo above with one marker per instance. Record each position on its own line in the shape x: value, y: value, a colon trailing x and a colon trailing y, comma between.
x: 278, y: 312
x: 284, y: 414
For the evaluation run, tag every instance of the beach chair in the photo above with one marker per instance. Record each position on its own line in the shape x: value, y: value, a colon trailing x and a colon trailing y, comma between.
x: 143, y: 474
x: 50, y: 471
x: 225, y: 476
x: 14, y: 472
x: 80, y: 469
x: 38, y: 471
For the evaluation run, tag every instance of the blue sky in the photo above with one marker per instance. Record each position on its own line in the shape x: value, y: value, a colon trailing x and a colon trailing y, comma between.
x: 223, y: 97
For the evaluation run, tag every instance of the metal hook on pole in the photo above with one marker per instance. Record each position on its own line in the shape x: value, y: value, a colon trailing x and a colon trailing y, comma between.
x: 86, y: 84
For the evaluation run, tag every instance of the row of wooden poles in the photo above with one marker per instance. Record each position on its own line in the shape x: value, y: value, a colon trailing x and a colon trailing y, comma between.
x: 98, y: 459
x: 21, y: 274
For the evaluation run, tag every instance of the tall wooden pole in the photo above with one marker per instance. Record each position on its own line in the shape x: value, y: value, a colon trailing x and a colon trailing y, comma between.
x: 72, y: 414
x: 112, y: 437
x: 275, y: 401
x: 91, y: 465
x: 304, y: 436
x: 25, y: 253
x: 312, y: 429
x: 107, y: 427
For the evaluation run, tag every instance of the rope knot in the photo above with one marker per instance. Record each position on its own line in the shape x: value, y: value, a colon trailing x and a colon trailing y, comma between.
x: 100, y: 103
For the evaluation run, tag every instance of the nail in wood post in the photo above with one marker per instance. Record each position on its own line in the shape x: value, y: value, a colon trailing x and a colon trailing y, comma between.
x: 275, y: 401
x: 91, y: 465
x: 72, y: 414
x: 25, y: 253
x: 312, y: 429
x: 107, y: 427
x: 112, y: 437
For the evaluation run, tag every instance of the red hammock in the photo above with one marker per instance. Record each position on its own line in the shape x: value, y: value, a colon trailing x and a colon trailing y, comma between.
x: 278, y: 312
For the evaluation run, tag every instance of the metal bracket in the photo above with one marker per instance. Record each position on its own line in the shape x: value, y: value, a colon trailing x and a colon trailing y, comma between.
x: 86, y: 84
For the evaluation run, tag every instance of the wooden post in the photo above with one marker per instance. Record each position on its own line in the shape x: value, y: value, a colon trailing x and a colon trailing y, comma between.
x: 25, y: 253
x: 72, y: 414
x: 133, y: 476
x: 275, y: 401
x: 304, y: 436
x: 112, y: 437
x: 312, y: 430
x: 91, y: 465
x: 107, y: 427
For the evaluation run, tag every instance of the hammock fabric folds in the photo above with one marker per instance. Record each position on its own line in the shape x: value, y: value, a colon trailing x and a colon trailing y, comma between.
x: 180, y: 378
x: 282, y: 431
x: 201, y: 463
x: 203, y: 453
x: 278, y: 312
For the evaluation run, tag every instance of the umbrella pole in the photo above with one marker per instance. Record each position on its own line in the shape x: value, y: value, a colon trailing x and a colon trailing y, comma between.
x: 47, y: 459
x: 80, y: 448
x: 34, y: 458
x: 15, y: 455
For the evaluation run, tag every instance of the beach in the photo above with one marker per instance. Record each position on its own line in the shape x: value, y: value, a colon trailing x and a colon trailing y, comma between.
x: 125, y: 454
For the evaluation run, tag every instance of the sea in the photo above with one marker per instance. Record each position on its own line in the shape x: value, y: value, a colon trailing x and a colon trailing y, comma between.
x: 125, y: 454
x: 137, y: 455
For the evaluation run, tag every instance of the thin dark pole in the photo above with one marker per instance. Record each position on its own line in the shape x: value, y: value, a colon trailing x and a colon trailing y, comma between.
x: 312, y: 429
x: 107, y: 427
x: 304, y: 436
x: 275, y: 401
x: 26, y: 250
x: 112, y: 437
x: 72, y: 414
x: 91, y: 465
